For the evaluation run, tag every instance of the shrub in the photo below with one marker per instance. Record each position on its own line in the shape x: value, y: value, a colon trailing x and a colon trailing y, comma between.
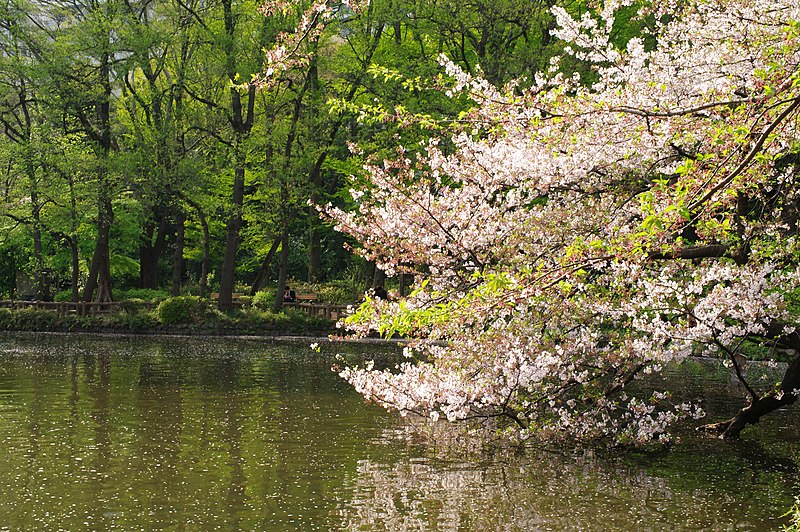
x: 141, y: 321
x: 338, y: 293
x: 64, y: 295
x: 264, y: 299
x: 29, y: 319
x: 132, y: 306
x: 6, y: 319
x: 182, y: 309
x: 145, y: 294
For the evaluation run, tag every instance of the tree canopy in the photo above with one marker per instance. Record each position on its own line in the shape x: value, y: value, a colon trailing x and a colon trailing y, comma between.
x: 177, y: 144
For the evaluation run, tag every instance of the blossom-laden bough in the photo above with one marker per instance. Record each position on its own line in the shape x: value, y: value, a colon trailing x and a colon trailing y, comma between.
x: 569, y: 237
x: 291, y: 49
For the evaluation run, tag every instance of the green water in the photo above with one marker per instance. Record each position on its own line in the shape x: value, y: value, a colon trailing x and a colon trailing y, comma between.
x: 185, y: 434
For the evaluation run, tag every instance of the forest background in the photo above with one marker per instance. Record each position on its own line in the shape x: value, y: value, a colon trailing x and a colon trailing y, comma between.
x: 137, y: 154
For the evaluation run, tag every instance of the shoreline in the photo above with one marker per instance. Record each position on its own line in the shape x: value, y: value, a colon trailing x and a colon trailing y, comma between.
x: 271, y: 338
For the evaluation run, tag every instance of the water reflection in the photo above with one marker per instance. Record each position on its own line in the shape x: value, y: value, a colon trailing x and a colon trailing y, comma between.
x: 703, y: 486
x: 115, y: 433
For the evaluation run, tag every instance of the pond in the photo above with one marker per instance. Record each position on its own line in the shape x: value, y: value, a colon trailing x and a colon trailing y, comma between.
x: 128, y: 433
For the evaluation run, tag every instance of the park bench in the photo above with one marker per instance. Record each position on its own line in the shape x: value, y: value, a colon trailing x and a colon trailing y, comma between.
x: 310, y: 304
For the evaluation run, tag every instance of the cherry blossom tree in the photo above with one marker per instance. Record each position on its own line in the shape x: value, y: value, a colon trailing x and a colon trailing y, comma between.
x: 567, y: 237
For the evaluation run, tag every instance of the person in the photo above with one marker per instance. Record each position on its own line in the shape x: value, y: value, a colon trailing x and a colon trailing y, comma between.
x: 380, y: 293
x: 288, y: 295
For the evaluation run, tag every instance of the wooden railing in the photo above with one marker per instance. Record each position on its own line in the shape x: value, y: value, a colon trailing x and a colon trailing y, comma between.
x: 323, y: 310
x: 81, y: 308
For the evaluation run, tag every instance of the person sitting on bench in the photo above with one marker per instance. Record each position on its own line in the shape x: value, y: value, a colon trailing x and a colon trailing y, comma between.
x: 288, y: 295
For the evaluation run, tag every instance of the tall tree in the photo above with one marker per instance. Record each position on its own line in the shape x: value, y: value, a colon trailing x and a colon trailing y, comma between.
x: 21, y: 121
x: 79, y: 54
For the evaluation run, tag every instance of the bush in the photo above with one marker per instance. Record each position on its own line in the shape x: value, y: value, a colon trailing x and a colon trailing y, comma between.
x: 141, y: 321
x: 261, y: 321
x: 182, y: 309
x: 132, y: 306
x: 246, y: 301
x: 264, y: 299
x: 6, y: 319
x: 145, y: 294
x: 337, y: 293
x: 64, y: 295
x: 28, y: 319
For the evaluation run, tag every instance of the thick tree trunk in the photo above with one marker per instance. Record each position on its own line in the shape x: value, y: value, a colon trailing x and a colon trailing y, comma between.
x: 406, y: 280
x: 228, y: 274
x: 150, y: 253
x: 241, y: 118
x: 379, y: 279
x: 753, y: 412
x: 177, y: 259
x: 104, y: 280
x: 100, y: 271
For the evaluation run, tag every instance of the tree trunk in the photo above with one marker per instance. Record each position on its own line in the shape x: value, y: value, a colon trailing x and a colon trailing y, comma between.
x: 206, y: 256
x: 406, y: 280
x: 241, y: 118
x: 76, y: 269
x: 104, y: 282
x: 263, y: 272
x: 228, y: 274
x: 315, y: 175
x: 150, y: 253
x: 38, y: 256
x: 282, y: 267
x: 379, y: 279
x: 100, y: 271
x: 753, y: 412
x: 177, y: 260
x: 370, y: 275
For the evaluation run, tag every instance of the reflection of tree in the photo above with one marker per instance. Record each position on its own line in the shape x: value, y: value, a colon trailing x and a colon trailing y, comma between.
x: 220, y: 434
x: 547, y: 490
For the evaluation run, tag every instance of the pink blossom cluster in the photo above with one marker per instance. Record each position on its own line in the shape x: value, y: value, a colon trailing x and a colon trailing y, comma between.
x: 290, y: 50
x: 572, y: 238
